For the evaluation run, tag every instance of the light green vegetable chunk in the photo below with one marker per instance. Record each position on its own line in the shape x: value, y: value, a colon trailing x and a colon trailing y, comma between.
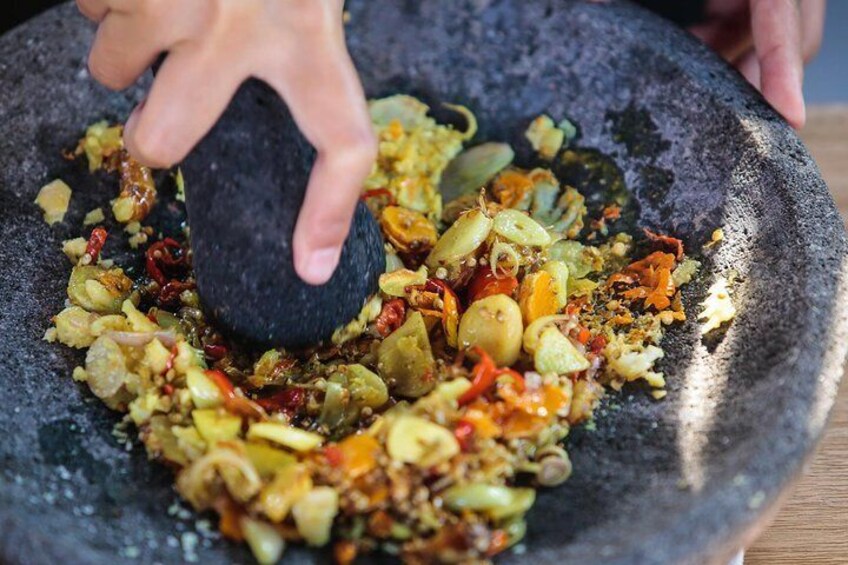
x: 497, y: 501
x: 474, y: 168
x: 520, y: 228
x: 405, y: 359
x: 556, y: 354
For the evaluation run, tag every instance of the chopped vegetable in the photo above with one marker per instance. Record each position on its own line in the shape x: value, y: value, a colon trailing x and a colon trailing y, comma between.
x: 54, y: 198
x: 718, y: 308
x: 418, y: 441
x: 494, y: 325
x: 285, y: 435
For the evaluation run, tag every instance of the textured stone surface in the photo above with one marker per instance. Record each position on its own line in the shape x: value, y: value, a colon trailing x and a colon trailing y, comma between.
x: 681, y: 481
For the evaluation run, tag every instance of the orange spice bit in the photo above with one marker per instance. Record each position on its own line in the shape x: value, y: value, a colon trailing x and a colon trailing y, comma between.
x: 666, y: 243
x: 498, y: 542
x: 358, y: 454
x: 652, y: 275
x: 511, y: 187
x: 611, y: 212
x: 344, y: 552
x: 229, y: 522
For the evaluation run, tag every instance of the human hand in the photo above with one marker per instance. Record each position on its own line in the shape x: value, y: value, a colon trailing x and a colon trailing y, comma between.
x: 768, y: 41
x: 296, y: 46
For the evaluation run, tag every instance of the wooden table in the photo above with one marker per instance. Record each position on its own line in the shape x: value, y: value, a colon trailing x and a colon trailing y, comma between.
x: 813, y: 525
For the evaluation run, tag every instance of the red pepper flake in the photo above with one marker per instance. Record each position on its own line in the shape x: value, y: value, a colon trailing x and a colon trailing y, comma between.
x: 95, y: 243
x: 170, y: 363
x: 215, y: 351
x: 170, y: 292
x: 666, y: 243
x: 598, y: 344
x: 498, y: 542
x: 464, y: 433
x: 232, y: 401
x: 487, y: 283
x: 391, y: 316
x: 612, y: 212
x: 517, y: 380
x: 168, y: 389
x: 289, y: 400
x: 334, y: 455
x: 378, y: 193
x: 166, y: 256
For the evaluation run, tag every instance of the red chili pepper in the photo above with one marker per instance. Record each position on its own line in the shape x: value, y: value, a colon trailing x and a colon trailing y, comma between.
x: 223, y: 382
x: 233, y: 402
x: 378, y: 192
x: 464, y: 433
x: 391, y: 316
x: 486, y: 283
x: 168, y: 389
x: 442, y: 288
x: 159, y: 258
x: 334, y: 455
x: 215, y: 351
x: 95, y: 243
x: 289, y: 400
x: 517, y: 379
x: 597, y: 344
x: 171, y: 291
x: 482, y: 377
x: 170, y: 363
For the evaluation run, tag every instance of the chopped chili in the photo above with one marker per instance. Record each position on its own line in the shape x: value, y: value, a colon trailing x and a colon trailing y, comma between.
x: 487, y: 283
x: 232, y: 401
x: 289, y: 400
x: 378, y: 192
x: 464, y: 433
x: 95, y: 243
x: 164, y: 260
x: 482, y: 377
x: 171, y: 291
x: 334, y: 455
x: 215, y: 351
x: 391, y: 316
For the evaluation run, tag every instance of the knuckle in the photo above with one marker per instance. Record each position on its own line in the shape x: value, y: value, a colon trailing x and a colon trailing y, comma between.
x: 105, y: 70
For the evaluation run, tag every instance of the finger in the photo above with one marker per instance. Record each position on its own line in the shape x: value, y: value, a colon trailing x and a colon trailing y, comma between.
x: 122, y: 51
x: 777, y: 40
x: 749, y: 66
x: 812, y: 27
x: 177, y: 112
x: 94, y: 10
x: 323, y: 92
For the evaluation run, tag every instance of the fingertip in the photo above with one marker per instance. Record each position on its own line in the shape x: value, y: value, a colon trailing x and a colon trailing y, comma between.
x: 316, y: 266
x: 146, y: 143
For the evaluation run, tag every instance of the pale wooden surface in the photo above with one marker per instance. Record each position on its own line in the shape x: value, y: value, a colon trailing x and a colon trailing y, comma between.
x: 812, y: 528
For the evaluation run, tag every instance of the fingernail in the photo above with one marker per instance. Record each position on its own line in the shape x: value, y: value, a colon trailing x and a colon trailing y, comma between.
x: 319, y: 265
